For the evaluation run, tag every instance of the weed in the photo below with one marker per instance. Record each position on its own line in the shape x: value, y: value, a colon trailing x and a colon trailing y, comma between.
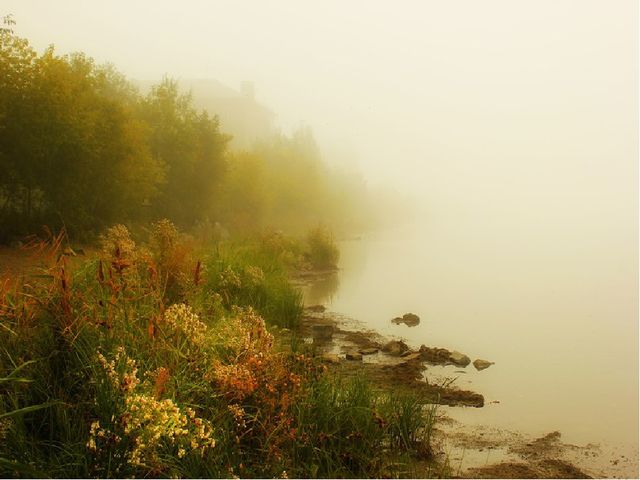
x: 147, y: 362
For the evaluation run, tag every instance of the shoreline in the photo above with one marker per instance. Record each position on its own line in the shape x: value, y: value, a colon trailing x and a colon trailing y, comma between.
x: 471, y: 451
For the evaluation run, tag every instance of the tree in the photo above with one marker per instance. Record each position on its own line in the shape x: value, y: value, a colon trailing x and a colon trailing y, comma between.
x: 193, y: 149
x: 72, y: 150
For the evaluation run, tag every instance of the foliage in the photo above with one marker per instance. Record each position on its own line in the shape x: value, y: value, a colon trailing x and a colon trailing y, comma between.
x: 72, y: 151
x: 284, y: 182
x: 323, y: 252
x: 192, y: 149
x: 80, y: 148
x: 105, y: 372
x: 251, y: 273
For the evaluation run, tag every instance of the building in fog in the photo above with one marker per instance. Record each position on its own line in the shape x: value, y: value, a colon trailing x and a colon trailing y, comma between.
x: 240, y: 114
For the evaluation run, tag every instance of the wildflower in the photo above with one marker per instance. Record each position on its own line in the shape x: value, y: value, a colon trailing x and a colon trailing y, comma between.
x: 91, y: 444
x: 121, y: 361
x: 154, y: 420
x: 254, y: 275
x: 236, y: 380
x: 96, y: 432
x: 238, y: 414
x: 119, y: 247
x: 182, y: 319
x: 164, y: 235
x: 246, y: 334
x: 148, y: 422
x: 229, y: 278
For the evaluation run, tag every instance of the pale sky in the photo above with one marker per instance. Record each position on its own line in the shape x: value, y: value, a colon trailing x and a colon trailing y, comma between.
x: 498, y: 98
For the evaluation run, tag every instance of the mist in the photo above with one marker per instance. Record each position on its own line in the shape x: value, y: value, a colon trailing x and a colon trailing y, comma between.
x: 500, y: 136
x: 512, y: 98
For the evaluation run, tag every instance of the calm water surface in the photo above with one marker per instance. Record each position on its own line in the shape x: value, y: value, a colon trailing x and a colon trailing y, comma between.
x: 556, y: 308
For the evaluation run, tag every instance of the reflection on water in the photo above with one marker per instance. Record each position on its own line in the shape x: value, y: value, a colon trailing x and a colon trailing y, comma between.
x: 353, y: 258
x: 556, y: 308
x: 322, y: 290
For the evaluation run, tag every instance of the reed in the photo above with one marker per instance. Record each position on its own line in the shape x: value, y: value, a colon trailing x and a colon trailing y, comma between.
x: 150, y: 360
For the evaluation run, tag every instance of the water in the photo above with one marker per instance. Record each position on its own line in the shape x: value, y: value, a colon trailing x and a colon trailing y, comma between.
x: 553, y: 303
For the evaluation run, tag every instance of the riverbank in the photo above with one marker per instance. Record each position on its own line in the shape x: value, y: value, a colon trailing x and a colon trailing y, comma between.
x: 158, y: 303
x: 159, y: 357
x: 349, y: 348
x: 559, y: 323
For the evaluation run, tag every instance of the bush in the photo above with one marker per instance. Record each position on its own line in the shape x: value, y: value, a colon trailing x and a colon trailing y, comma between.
x: 322, y: 249
x: 104, y: 374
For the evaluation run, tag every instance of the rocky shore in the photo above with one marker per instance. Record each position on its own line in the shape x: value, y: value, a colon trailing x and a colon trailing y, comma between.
x: 388, y: 363
x: 348, y: 349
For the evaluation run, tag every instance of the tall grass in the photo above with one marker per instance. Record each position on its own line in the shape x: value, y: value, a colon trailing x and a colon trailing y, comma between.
x: 345, y: 420
x: 148, y: 361
x: 246, y: 274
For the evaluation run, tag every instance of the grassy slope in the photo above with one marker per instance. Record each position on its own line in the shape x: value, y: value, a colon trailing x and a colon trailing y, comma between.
x: 155, y: 361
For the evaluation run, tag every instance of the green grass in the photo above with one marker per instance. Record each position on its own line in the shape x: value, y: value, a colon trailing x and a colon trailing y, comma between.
x: 246, y: 274
x: 272, y: 411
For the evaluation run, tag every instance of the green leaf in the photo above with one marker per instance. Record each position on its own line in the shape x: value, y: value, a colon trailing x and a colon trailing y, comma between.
x: 31, y: 408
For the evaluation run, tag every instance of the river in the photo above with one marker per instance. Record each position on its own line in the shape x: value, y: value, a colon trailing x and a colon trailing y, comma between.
x: 553, y: 302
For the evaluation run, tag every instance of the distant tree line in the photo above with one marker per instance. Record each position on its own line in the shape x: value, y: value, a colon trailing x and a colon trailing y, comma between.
x: 81, y: 148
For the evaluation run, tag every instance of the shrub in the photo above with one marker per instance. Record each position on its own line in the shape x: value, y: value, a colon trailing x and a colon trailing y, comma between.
x: 322, y: 249
x: 103, y: 375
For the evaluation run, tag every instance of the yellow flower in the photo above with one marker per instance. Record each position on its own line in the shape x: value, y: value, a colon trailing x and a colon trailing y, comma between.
x: 182, y: 319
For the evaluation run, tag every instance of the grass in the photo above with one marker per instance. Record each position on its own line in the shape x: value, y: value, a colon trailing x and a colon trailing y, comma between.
x: 245, y: 274
x: 149, y: 361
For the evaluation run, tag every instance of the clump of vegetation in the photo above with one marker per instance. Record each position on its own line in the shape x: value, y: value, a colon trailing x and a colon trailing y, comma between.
x: 83, y: 148
x: 145, y: 361
x: 250, y: 273
x: 322, y: 249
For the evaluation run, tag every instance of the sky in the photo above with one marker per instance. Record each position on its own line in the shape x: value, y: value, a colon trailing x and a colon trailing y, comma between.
x: 500, y: 99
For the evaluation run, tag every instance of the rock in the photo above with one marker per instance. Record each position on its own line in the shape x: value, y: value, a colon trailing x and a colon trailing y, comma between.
x: 395, y: 347
x: 482, y: 364
x: 353, y: 356
x: 322, y: 332
x: 409, y: 319
x: 435, y: 355
x: 316, y: 308
x: 459, y: 359
x: 412, y: 356
x: 368, y: 351
x: 454, y: 396
x: 330, y: 358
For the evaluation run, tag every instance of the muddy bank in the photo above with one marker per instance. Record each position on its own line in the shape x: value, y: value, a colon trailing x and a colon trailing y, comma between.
x: 483, y: 451
x: 387, y: 363
x: 549, y: 468
x: 467, y: 451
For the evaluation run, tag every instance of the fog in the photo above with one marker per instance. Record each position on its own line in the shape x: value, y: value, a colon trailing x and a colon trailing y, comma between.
x: 512, y: 125
x: 495, y: 100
